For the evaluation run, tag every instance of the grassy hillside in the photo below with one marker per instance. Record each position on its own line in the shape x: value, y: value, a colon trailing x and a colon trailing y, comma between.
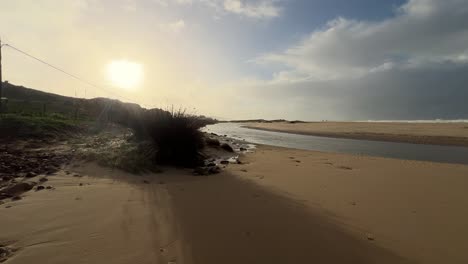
x: 26, y: 101
x: 174, y: 136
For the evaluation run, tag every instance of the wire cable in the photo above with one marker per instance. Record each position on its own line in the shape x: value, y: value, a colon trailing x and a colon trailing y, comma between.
x: 63, y: 71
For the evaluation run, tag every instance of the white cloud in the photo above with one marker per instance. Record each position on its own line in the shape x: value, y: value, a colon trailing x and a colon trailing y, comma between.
x: 129, y: 5
x: 261, y: 9
x: 174, y: 27
x: 422, y: 32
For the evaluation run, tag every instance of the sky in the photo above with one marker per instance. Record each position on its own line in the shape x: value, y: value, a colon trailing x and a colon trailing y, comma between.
x: 241, y: 59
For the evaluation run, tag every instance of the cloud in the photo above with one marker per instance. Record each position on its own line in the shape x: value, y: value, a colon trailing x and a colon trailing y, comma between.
x: 259, y: 9
x: 421, y: 32
x: 263, y: 9
x: 174, y: 27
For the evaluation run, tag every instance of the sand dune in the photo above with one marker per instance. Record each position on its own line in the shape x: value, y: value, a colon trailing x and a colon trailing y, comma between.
x: 455, y: 134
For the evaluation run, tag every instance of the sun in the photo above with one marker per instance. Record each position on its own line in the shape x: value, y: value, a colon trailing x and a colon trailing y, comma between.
x: 125, y: 74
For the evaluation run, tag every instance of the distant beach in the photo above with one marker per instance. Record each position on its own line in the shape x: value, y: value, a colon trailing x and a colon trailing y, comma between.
x: 438, y: 133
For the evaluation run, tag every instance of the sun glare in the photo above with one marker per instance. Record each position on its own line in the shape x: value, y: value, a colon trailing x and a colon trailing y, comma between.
x: 125, y: 74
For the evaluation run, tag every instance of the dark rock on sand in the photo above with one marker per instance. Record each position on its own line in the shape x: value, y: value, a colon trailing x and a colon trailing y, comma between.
x: 7, y: 178
x: 40, y: 187
x: 227, y: 147
x: 202, y: 171
x: 43, y: 179
x: 30, y: 175
x: 212, y: 142
x: 5, y: 252
x: 224, y: 162
x: 16, y: 198
x: 17, y: 189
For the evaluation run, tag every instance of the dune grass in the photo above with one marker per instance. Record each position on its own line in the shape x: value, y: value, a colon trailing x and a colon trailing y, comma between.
x: 175, y: 136
x: 33, y: 126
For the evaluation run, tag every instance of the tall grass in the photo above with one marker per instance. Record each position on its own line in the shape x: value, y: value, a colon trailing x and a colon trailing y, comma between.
x: 175, y: 135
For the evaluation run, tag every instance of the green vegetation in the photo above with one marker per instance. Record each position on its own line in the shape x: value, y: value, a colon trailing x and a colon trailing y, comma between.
x: 121, y: 151
x: 30, y: 126
x: 156, y: 136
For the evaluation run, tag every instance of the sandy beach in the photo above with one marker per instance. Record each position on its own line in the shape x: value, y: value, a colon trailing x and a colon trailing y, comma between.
x: 454, y: 134
x: 279, y: 206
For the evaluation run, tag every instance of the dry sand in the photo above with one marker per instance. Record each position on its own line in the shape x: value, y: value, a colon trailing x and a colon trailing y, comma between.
x: 455, y: 134
x: 280, y: 206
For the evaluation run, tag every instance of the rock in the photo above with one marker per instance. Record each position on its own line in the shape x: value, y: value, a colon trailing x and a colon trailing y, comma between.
x: 243, y: 149
x: 4, y: 253
x: 6, y: 178
x: 16, y: 198
x: 49, y: 187
x: 146, y: 182
x: 227, y: 147
x: 211, y: 164
x: 202, y: 171
x: 40, y: 187
x: 224, y: 162
x: 43, y: 179
x: 30, y: 175
x: 370, y: 237
x: 18, y: 188
x: 81, y: 184
x: 4, y: 196
x: 239, y: 162
x: 212, y: 142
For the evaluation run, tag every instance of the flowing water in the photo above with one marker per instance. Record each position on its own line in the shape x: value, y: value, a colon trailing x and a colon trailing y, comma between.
x: 408, y: 151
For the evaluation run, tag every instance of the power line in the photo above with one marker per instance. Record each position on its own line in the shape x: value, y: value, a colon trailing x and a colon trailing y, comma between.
x: 63, y: 71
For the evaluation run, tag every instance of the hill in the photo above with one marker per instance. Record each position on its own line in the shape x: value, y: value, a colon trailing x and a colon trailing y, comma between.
x: 27, y: 101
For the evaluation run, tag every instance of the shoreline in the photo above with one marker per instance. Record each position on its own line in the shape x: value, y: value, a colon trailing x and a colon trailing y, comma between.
x: 353, y: 130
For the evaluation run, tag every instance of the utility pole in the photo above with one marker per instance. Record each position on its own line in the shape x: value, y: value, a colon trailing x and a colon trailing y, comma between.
x: 1, y: 80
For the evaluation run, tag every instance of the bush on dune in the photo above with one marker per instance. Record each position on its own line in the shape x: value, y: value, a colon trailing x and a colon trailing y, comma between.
x: 175, y: 135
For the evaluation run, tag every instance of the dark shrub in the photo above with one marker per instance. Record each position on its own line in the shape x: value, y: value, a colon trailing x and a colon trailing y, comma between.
x: 175, y: 135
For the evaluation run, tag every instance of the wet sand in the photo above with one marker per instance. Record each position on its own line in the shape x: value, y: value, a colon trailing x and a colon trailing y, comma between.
x: 279, y: 206
x: 452, y: 134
